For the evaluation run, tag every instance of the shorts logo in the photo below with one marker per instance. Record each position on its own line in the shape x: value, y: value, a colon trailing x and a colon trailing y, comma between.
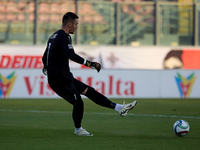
x: 70, y: 46
x: 185, y: 84
x: 6, y: 84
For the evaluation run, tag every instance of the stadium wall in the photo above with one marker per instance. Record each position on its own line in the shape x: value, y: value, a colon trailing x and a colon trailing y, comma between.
x: 21, y: 75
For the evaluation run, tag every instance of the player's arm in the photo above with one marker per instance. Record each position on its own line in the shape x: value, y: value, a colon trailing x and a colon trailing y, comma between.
x: 74, y: 57
x: 45, y: 57
x: 69, y: 51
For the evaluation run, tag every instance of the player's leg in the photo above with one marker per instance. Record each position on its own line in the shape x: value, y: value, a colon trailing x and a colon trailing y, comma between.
x: 98, y: 98
x: 92, y: 94
x: 101, y: 100
x: 77, y: 116
x: 77, y: 113
x: 73, y: 98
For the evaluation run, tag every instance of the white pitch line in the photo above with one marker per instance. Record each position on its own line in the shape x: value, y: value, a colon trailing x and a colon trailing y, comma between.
x: 63, y: 112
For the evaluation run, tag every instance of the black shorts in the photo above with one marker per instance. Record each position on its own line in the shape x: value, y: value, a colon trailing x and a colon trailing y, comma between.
x: 80, y: 86
x: 69, y: 91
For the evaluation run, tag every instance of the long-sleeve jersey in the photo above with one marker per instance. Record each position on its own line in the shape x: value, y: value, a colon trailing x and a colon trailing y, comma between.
x: 57, y: 54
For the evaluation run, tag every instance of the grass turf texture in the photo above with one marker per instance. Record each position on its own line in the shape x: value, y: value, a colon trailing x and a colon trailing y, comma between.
x: 40, y: 124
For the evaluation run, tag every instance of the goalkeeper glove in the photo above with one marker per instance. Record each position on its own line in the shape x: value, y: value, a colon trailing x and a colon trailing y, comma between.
x: 44, y: 70
x: 93, y: 65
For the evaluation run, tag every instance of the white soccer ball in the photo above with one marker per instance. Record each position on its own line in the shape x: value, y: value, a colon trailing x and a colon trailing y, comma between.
x: 181, y: 128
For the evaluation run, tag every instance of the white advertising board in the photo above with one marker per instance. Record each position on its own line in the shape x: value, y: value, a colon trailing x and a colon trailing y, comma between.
x: 180, y: 83
x: 31, y: 83
x: 110, y: 57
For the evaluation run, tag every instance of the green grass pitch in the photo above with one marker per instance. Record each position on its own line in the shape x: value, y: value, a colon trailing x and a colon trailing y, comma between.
x: 46, y: 124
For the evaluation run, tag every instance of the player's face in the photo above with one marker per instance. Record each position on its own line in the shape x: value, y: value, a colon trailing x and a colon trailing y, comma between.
x: 173, y: 63
x: 73, y: 26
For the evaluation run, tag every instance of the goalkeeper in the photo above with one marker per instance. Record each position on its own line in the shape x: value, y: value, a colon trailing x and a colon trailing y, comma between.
x: 56, y: 66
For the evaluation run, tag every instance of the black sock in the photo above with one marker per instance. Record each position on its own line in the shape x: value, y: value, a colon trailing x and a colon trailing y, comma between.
x: 77, y: 113
x: 99, y: 99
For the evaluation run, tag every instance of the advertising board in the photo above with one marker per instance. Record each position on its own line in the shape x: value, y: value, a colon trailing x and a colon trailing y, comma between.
x: 31, y: 83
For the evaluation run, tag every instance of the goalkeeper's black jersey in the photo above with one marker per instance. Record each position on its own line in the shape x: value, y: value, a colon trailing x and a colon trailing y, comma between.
x: 57, y: 54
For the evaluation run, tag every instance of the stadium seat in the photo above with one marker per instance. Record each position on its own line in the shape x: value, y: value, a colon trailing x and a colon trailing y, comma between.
x: 55, y: 18
x: 2, y: 17
x: 21, y: 7
x: 72, y: 7
x: 31, y: 17
x: 55, y: 8
x: 10, y: 17
x: 63, y: 8
x: 31, y: 7
x: 12, y: 7
x: 87, y: 19
x: 86, y: 8
x: 43, y: 18
x: 43, y: 8
x: 116, y: 1
x: 21, y: 4
x: 98, y: 19
x: 21, y: 17
x: 2, y: 7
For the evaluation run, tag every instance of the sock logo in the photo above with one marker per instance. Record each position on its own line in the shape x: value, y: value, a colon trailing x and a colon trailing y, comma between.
x: 6, y: 84
x: 185, y: 84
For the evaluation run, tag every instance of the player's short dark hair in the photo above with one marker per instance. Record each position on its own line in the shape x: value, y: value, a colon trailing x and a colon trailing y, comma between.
x: 69, y: 17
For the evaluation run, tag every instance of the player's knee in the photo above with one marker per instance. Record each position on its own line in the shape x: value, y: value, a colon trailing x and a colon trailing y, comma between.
x: 85, y: 91
x: 90, y: 90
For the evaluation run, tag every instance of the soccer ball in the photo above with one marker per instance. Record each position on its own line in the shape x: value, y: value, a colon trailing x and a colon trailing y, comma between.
x: 181, y: 128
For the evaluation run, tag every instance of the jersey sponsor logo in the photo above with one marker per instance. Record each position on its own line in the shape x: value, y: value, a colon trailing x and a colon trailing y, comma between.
x: 70, y: 46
